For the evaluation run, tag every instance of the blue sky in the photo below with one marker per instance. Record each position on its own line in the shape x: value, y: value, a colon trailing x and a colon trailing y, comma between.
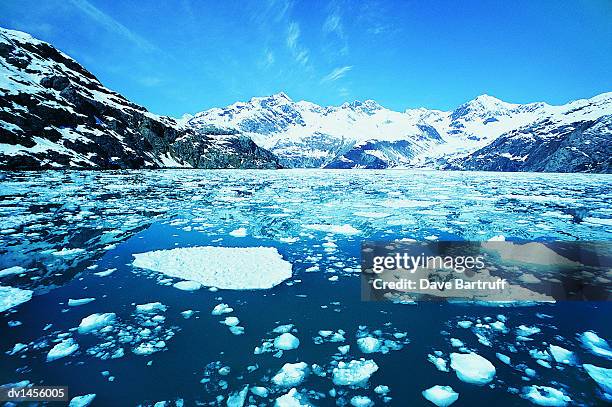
x: 186, y: 56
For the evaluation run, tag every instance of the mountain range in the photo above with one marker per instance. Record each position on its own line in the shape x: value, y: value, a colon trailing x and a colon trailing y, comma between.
x: 56, y: 114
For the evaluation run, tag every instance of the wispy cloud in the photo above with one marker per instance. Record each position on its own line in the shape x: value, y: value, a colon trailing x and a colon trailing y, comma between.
x: 336, y: 74
x: 267, y: 60
x: 112, y: 25
x: 299, y: 52
x: 333, y: 24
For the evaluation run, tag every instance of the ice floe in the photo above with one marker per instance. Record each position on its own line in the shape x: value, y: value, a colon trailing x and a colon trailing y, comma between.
x: 80, y: 301
x: 545, y: 396
x: 345, y: 229
x: 369, y: 344
x: 291, y: 374
x: 238, y: 398
x: 291, y: 399
x: 82, y: 401
x: 221, y: 309
x: 64, y: 348
x: 223, y: 267
x: 11, y: 271
x: 96, y: 321
x: 286, y: 341
x: 11, y: 297
x: 441, y: 396
x: 602, y: 376
x: 187, y: 285
x: 151, y: 308
x: 361, y: 401
x: 354, y: 373
x: 472, y: 368
x: 562, y: 355
x: 596, y: 345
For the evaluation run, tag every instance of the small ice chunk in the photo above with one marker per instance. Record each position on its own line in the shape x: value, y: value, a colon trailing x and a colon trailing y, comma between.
x: 464, y: 324
x: 472, y: 368
x: 82, y: 401
x: 236, y: 330
x: 151, y: 308
x: 259, y: 391
x: 369, y: 344
x: 64, y: 348
x: 545, y: 396
x: 345, y: 229
x: 438, y: 362
x: 12, y: 270
x: 456, y: 343
x: 361, y: 401
x: 281, y: 329
x: 240, y: 232
x: 231, y: 321
x: 11, y: 297
x: 96, y: 321
x: 381, y: 389
x: 291, y: 374
x: 562, y: 355
x: 187, y: 313
x: 441, y: 396
x: 344, y: 349
x: 234, y: 268
x: 286, y: 341
x: 354, y: 373
x: 221, y: 309
x: 527, y: 331
x: 81, y: 301
x: 105, y: 273
x: 238, y: 398
x: 291, y: 399
x: 595, y: 344
x: 504, y: 358
x: 601, y: 375
x: 187, y: 285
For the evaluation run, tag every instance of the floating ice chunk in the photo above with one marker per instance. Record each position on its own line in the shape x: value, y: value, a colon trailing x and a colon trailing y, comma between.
x: 465, y: 324
x: 361, y: 401
x: 345, y: 229
x: 381, y: 389
x: 530, y: 253
x: 18, y: 348
x: 187, y: 285
x: 236, y: 330
x: 187, y: 313
x: 354, y: 373
x: 11, y: 297
x: 105, y: 273
x: 12, y: 270
x: 333, y: 278
x: 441, y: 396
x: 562, y: 355
x: 221, y: 309
x: 369, y: 344
x: 498, y: 238
x: 240, y: 232
x: 539, y: 355
x: 64, y: 348
x: 526, y: 331
x: 231, y: 321
x: 344, y: 349
x: 456, y: 343
x: 223, y: 267
x: 291, y: 374
x: 438, y: 362
x: 472, y: 368
x: 595, y: 344
x: 82, y: 401
x: 286, y: 341
x: 96, y: 321
x: 499, y: 326
x: 151, y: 308
x: 281, y: 329
x: 545, y: 396
x: 238, y: 398
x: 291, y: 399
x: 67, y: 252
x: 504, y: 358
x: 259, y: 391
x: 602, y: 376
x: 81, y: 301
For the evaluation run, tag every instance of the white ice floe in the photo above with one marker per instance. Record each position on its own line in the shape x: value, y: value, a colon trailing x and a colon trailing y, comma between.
x: 64, y: 348
x: 281, y: 329
x: 354, y: 373
x: 240, y: 232
x: 504, y: 358
x: 369, y: 344
x: 545, y: 396
x: 441, y: 396
x: 438, y: 362
x: 361, y: 401
x: 151, y: 308
x: 472, y: 368
x: 223, y: 267
x: 82, y: 401
x: 291, y: 374
x: 221, y: 309
x: 96, y: 321
x: 105, y: 273
x: 231, y: 321
x: 80, y: 301
x: 465, y: 324
x: 11, y: 271
x: 238, y: 398
x: 286, y: 341
x: 11, y: 297
x: 345, y: 229
x: 562, y: 355
x: 381, y: 389
x: 187, y: 285
x: 291, y: 399
x: 187, y: 313
x: 596, y: 345
x: 602, y: 376
x: 526, y: 331
x: 259, y: 391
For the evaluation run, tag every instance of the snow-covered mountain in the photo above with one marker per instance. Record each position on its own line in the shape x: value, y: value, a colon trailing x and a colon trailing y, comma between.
x: 367, y: 135
x: 56, y: 114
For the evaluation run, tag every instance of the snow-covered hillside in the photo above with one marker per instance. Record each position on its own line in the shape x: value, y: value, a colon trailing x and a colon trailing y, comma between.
x: 367, y: 135
x: 56, y: 114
